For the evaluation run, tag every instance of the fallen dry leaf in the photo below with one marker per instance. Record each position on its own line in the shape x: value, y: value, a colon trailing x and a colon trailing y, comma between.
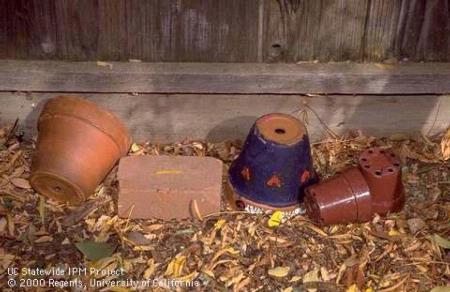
x: 440, y: 241
x: 150, y: 269
x: 352, y: 288
x: 153, y: 227
x: 219, y: 224
x: 311, y: 276
x: 415, y: 225
x: 295, y: 279
x: 5, y: 261
x: 324, y: 274
x: 3, y: 224
x: 45, y: 238
x: 441, y: 289
x: 445, y: 145
x: 175, y: 267
x: 20, y: 183
x: 279, y: 272
x: 137, y: 238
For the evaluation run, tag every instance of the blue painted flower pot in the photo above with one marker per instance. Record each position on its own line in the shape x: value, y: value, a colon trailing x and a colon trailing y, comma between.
x: 274, y: 167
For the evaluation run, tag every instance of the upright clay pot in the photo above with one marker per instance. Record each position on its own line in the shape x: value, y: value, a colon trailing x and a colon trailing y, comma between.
x: 274, y: 166
x: 78, y: 144
x: 343, y: 198
x: 382, y: 171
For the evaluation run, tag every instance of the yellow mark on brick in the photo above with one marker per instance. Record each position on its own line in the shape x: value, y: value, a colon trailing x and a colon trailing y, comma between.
x: 168, y: 171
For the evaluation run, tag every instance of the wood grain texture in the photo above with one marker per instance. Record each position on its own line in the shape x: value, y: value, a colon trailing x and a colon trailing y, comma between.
x: 365, y: 30
x: 28, y: 29
x: 155, y: 30
x: 225, y: 30
x: 416, y: 30
x: 174, y: 117
x: 120, y: 77
x: 380, y: 35
x: 309, y: 30
x: 77, y: 29
x: 424, y: 30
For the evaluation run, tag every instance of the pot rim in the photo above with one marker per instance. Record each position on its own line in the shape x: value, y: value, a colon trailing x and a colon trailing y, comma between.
x: 45, y: 174
x: 258, y: 204
x: 316, y: 209
x: 100, y: 118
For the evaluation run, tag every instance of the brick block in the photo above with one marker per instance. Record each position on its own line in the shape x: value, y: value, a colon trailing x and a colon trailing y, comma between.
x: 165, y: 187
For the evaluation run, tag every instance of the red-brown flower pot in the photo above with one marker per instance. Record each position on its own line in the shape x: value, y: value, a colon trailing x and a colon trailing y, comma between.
x: 382, y: 171
x: 343, y: 198
x: 78, y: 144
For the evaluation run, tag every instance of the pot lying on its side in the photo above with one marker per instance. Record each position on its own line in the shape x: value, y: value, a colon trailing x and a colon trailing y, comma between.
x: 343, y: 198
x: 374, y: 186
x: 78, y: 144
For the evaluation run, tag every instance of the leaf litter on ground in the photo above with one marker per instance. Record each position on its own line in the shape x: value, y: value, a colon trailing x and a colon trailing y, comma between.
x: 407, y: 251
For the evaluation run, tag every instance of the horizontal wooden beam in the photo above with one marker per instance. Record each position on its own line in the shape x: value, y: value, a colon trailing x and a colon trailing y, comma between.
x: 123, y: 77
x: 217, y: 117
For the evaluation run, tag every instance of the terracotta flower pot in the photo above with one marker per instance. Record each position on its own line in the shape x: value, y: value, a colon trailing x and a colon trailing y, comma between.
x: 375, y: 186
x: 382, y: 171
x: 78, y: 144
x: 274, y: 166
x: 343, y: 198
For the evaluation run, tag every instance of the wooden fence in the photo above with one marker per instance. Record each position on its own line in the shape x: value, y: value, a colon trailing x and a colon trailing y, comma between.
x: 225, y: 30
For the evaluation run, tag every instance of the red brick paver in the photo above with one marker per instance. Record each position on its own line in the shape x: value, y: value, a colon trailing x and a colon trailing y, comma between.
x: 167, y: 187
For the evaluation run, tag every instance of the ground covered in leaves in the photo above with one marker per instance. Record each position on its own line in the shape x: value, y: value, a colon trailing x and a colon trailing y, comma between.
x: 232, y: 250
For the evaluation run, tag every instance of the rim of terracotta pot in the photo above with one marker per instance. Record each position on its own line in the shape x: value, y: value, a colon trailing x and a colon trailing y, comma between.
x: 281, y: 128
x: 234, y: 196
x: 57, y: 187
x: 312, y: 207
x: 90, y: 113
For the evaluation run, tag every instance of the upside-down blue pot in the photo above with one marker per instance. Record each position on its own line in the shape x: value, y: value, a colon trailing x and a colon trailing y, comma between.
x: 275, y: 165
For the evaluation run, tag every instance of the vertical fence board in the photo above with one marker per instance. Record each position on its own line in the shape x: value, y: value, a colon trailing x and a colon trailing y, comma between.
x: 432, y: 39
x: 17, y: 28
x: 44, y: 33
x: 76, y: 29
x: 3, y: 30
x: 423, y: 33
x: 381, y: 29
